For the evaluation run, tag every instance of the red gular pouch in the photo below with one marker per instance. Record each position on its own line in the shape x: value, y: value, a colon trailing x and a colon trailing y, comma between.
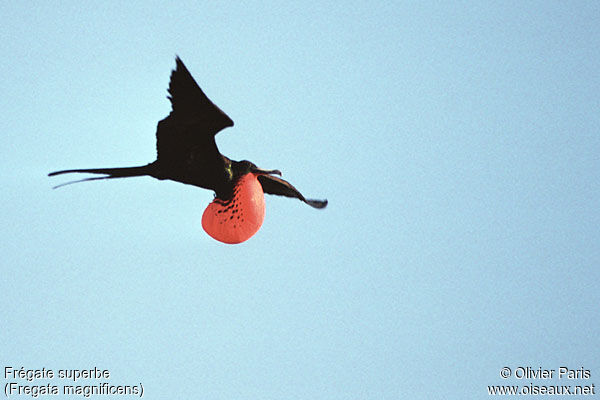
x: 237, y: 220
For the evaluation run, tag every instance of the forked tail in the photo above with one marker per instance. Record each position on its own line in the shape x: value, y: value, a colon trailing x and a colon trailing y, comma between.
x: 111, y: 173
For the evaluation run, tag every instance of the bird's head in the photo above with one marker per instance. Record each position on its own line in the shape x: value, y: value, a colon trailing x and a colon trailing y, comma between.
x: 241, y: 168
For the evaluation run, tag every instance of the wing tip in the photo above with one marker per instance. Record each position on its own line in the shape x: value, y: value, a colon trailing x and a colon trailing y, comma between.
x: 316, y: 203
x: 179, y: 65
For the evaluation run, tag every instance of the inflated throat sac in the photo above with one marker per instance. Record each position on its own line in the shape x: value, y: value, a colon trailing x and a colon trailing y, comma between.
x: 237, y: 220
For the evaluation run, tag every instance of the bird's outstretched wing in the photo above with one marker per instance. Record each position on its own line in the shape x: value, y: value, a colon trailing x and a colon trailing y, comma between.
x: 191, y: 104
x: 278, y: 186
x: 193, y: 122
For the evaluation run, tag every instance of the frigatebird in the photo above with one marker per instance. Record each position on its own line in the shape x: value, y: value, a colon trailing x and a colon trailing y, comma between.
x: 187, y: 153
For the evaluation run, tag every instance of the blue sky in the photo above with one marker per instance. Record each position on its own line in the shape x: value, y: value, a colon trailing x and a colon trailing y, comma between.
x: 457, y: 144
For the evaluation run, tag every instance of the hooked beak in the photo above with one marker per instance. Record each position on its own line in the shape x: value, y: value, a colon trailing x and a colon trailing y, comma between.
x: 260, y: 171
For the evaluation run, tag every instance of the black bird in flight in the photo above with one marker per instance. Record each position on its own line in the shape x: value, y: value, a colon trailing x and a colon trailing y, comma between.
x: 187, y: 153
